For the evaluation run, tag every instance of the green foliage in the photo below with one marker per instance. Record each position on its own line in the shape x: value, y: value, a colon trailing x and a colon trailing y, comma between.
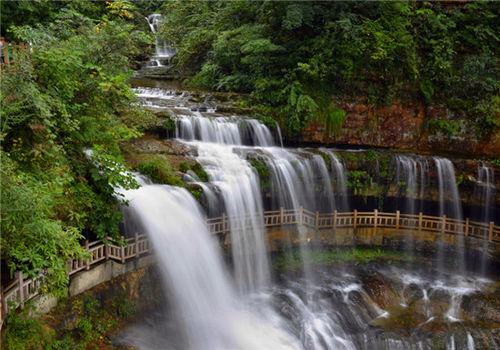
x: 67, y: 94
x: 22, y: 332
x: 293, y: 260
x: 158, y: 169
x: 196, y: 168
x: 359, y: 181
x: 447, y: 127
x: 32, y: 239
x: 293, y: 56
x: 263, y: 172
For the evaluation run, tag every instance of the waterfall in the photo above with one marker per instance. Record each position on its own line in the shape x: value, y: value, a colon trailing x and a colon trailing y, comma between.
x: 240, y: 189
x: 485, y: 193
x: 204, y: 301
x: 449, y: 205
x: 340, y: 181
x: 251, y: 310
x: 411, y: 173
x: 163, y: 52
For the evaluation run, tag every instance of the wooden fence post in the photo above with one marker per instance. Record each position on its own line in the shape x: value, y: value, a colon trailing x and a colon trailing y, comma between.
x: 334, y: 220
x: 466, y: 229
x: 355, y: 219
x: 87, y: 261
x: 375, y: 214
x: 122, y: 254
x: 106, y: 248
x: 19, y: 276
x: 223, y: 222
x: 316, y: 221
x: 397, y: 219
x: 490, y: 232
x: 301, y: 214
x: 282, y: 215
x: 443, y: 224
x: 136, y: 244
x: 6, y: 58
x: 420, y: 222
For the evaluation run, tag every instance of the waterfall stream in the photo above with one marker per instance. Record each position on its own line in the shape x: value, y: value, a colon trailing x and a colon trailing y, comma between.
x: 163, y: 52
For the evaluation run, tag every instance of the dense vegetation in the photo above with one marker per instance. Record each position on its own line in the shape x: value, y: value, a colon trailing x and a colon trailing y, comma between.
x: 65, y: 108
x: 293, y: 56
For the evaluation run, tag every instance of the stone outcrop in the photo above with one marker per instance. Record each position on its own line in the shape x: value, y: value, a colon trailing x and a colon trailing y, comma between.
x: 402, y: 126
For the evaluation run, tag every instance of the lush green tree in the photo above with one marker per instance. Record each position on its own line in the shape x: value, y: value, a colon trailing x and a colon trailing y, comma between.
x: 66, y: 106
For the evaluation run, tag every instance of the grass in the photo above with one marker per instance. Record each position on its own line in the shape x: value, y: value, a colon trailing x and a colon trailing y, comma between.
x: 322, y: 257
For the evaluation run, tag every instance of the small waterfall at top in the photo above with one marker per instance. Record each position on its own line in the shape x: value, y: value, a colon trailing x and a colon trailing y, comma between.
x: 449, y: 205
x: 484, y: 193
x: 164, y: 52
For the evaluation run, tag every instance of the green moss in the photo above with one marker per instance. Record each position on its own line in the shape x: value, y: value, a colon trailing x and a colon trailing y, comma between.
x: 196, y: 192
x: 264, y: 174
x: 359, y: 181
x: 447, y: 127
x: 356, y: 255
x: 169, y: 124
x: 91, y: 321
x: 23, y: 332
x: 158, y: 169
x: 196, y: 168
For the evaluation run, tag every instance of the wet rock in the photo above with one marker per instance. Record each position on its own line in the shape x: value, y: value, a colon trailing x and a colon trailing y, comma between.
x: 379, y: 289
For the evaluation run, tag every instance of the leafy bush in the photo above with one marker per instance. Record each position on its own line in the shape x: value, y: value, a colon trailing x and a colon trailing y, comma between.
x: 158, y: 169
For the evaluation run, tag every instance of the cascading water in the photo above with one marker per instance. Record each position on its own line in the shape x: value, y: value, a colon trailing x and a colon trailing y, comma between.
x: 316, y: 310
x: 410, y: 181
x: 239, y: 186
x: 205, y: 304
x: 340, y: 181
x: 164, y: 52
x: 485, y: 192
x: 449, y: 205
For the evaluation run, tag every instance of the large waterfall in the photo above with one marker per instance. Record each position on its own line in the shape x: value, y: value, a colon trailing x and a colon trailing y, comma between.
x: 312, y: 309
x: 203, y: 298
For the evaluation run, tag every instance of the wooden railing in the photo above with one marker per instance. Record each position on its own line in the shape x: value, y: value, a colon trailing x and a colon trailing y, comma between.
x: 356, y: 219
x: 21, y: 290
x: 10, y: 52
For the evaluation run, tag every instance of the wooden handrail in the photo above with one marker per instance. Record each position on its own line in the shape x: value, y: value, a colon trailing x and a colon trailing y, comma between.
x: 21, y: 290
x: 9, y: 52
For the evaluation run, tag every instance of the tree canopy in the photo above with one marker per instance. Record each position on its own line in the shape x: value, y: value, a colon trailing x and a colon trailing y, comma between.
x: 292, y: 56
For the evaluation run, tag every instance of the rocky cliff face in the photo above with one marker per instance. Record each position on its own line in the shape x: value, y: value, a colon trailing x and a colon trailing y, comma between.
x: 403, y: 126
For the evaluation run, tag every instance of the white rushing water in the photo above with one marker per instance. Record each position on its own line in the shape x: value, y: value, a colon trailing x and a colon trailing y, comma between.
x: 164, y: 52
x: 450, y: 205
x: 485, y: 194
x: 240, y: 189
x: 204, y: 301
